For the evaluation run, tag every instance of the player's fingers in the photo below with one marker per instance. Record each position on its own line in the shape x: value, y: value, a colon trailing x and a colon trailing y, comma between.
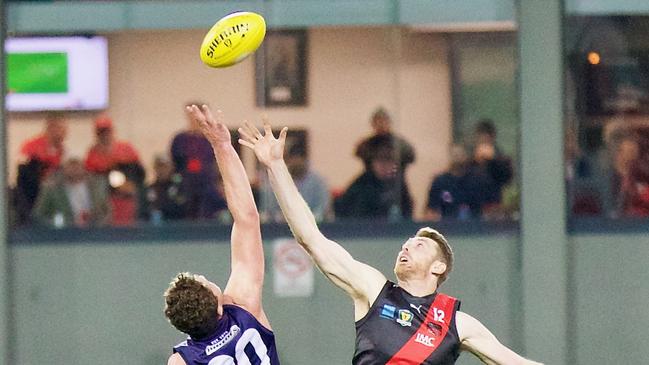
x: 253, y: 130
x: 246, y: 143
x: 195, y: 114
x: 246, y: 136
x: 190, y: 110
x: 282, y: 134
x: 268, y: 130
x: 208, y: 113
x: 249, y: 128
x: 245, y: 129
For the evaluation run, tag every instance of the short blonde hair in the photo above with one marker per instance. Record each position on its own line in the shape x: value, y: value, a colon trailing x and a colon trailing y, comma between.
x: 447, y: 251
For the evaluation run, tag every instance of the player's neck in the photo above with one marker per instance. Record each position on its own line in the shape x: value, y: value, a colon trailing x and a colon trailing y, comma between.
x: 419, y: 287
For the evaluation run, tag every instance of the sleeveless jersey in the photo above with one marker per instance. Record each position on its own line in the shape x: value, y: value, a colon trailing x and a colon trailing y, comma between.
x: 238, y: 339
x: 401, y: 329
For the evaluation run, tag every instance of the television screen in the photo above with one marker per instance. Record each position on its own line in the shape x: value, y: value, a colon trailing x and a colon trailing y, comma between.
x: 56, y: 73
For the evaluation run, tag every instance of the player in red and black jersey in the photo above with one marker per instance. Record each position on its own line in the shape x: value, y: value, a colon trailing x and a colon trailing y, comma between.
x: 407, y: 322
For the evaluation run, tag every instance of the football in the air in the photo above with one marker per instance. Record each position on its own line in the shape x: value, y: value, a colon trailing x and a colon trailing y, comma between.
x: 233, y: 38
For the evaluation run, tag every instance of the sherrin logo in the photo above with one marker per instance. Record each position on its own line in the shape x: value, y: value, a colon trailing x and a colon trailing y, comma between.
x: 224, y: 37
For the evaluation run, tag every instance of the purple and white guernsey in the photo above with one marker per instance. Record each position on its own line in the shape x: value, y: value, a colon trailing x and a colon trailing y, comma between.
x: 238, y: 340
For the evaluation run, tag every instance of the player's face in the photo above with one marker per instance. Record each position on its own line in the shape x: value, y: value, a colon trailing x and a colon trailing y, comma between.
x: 416, y: 258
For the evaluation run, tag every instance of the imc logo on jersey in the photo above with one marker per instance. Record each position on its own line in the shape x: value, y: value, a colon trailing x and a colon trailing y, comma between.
x: 424, y: 339
x: 388, y: 311
x: 405, y: 317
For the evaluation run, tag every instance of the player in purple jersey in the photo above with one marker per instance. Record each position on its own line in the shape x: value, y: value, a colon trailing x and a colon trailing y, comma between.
x: 424, y: 326
x: 225, y: 327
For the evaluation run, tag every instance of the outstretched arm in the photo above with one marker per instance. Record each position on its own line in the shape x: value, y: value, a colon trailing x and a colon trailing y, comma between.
x: 247, y: 257
x: 477, y: 339
x: 362, y: 282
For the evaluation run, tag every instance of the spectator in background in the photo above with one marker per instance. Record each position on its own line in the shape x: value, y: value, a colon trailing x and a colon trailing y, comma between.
x: 457, y: 192
x: 108, y: 153
x: 311, y: 186
x: 193, y: 159
x: 72, y: 197
x: 381, y: 123
x: 489, y: 161
x: 584, y: 197
x: 39, y: 157
x: 378, y: 192
x: 631, y: 179
x: 119, y: 163
x: 166, y: 198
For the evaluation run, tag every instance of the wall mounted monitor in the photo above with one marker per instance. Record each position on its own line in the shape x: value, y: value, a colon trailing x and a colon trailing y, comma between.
x: 56, y: 73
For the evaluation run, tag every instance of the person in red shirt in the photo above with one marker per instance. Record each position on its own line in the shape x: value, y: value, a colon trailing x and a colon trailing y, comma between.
x: 107, y: 152
x: 39, y: 157
x: 120, y: 163
x: 47, y: 148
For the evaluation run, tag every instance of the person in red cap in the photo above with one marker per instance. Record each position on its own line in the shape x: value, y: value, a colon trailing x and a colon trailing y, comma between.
x: 39, y: 157
x: 111, y: 156
x: 107, y: 152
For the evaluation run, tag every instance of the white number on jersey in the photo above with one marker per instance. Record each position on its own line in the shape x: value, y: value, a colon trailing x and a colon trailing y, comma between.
x: 438, y: 315
x: 249, y: 336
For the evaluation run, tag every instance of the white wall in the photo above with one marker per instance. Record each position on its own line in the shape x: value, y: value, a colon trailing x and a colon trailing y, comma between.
x: 351, y: 72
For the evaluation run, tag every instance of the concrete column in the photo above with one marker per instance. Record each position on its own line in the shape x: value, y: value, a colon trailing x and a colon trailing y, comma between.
x: 543, y: 198
x: 4, y: 249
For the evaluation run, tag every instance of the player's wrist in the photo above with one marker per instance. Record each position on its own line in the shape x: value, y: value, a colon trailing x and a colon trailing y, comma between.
x: 220, y: 145
x: 276, y: 164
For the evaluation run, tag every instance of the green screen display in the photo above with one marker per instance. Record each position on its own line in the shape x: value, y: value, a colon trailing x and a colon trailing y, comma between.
x: 30, y: 73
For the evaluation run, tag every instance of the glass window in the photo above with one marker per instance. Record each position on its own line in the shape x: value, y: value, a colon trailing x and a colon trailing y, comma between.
x: 607, y: 124
x: 389, y: 123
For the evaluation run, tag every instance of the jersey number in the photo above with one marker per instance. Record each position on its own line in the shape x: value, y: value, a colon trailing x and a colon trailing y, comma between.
x: 438, y: 315
x: 249, y: 336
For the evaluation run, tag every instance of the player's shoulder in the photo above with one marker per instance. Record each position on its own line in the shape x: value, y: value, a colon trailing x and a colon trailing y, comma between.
x: 238, y: 311
x: 176, y: 359
x: 468, y: 326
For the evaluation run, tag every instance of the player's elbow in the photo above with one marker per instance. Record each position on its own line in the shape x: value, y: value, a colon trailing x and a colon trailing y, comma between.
x: 307, y: 237
x: 248, y: 216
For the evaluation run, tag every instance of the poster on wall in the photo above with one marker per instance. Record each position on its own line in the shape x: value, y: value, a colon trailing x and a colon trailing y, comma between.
x: 281, y: 69
x: 292, y: 269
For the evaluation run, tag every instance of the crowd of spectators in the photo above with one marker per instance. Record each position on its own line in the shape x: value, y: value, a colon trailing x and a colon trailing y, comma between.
x: 611, y: 180
x: 109, y: 187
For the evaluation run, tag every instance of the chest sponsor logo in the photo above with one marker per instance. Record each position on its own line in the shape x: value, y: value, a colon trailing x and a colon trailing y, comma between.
x: 222, y: 340
x: 424, y: 339
x: 388, y: 311
x: 405, y: 317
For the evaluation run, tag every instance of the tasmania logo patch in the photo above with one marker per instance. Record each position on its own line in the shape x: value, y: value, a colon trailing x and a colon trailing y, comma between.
x: 404, y: 317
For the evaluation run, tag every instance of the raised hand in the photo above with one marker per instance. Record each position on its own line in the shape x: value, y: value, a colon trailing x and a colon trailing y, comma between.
x: 267, y: 148
x: 213, y: 128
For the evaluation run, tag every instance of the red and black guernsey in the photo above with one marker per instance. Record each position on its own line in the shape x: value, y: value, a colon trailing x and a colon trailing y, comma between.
x: 401, y: 329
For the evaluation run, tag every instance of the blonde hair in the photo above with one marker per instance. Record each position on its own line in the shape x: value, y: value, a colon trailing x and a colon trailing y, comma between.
x: 447, y: 251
